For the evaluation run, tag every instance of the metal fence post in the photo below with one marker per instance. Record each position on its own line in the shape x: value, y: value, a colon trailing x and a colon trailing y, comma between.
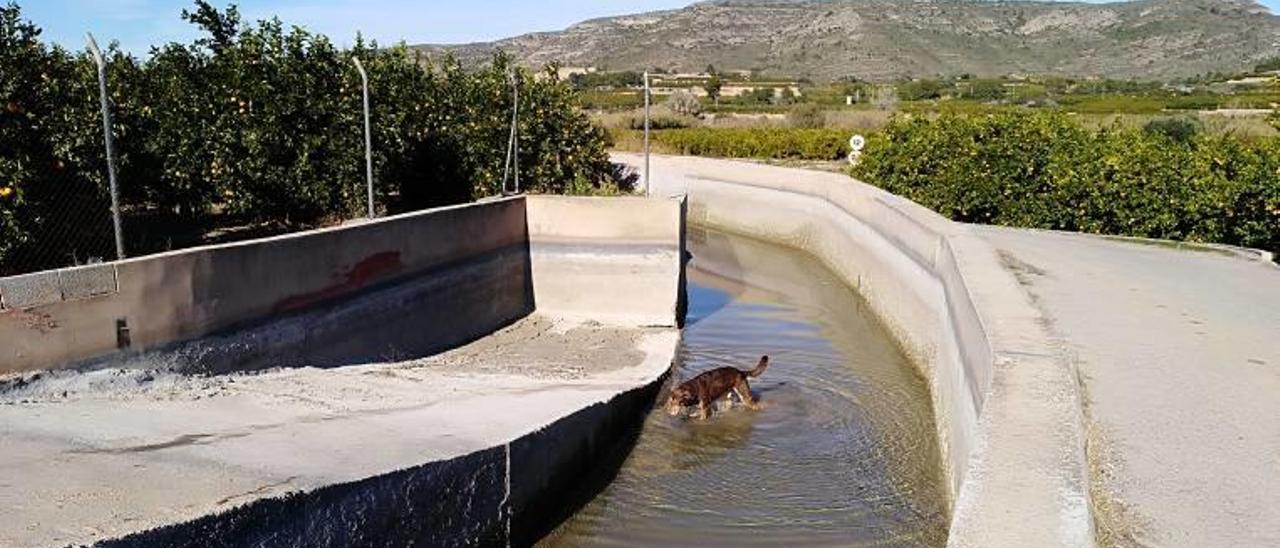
x: 513, y: 140
x: 106, y: 133
x: 515, y: 126
x: 646, y: 132
x: 368, y: 138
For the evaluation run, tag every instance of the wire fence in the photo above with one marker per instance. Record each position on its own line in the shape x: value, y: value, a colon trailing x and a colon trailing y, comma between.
x: 70, y: 218
x: 64, y: 201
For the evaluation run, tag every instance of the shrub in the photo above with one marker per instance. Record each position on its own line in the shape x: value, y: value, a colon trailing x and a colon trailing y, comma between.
x: 684, y: 103
x: 1178, y: 129
x: 1042, y: 170
x: 664, y: 120
x: 758, y: 96
x: 806, y: 115
x: 920, y: 90
x: 986, y: 90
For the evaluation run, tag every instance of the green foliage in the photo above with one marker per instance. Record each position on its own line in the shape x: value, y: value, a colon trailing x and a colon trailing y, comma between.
x: 611, y: 100
x: 985, y: 90
x: 1179, y: 129
x: 52, y: 173
x: 763, y: 143
x: 758, y: 96
x: 920, y: 90
x: 255, y: 125
x: 713, y: 85
x: 661, y: 119
x: 1043, y: 170
x: 607, y: 80
x: 1116, y: 87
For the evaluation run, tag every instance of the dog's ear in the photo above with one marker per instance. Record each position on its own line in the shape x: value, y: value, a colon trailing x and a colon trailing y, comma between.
x: 764, y: 359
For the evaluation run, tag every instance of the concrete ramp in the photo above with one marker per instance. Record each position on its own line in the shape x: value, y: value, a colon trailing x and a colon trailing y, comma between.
x: 285, y: 430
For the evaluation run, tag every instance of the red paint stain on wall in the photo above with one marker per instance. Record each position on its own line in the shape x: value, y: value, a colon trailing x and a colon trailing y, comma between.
x: 368, y: 270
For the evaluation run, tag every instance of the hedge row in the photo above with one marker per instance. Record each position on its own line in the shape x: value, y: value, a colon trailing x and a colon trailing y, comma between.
x: 764, y: 143
x: 1043, y: 170
x: 253, y: 125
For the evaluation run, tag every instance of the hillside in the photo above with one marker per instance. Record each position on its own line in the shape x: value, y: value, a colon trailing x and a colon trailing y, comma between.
x: 890, y: 39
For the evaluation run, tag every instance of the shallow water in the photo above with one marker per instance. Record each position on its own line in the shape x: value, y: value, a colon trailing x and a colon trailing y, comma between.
x: 843, y: 453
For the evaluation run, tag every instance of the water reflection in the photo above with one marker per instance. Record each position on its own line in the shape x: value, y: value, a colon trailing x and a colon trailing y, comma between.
x: 843, y: 452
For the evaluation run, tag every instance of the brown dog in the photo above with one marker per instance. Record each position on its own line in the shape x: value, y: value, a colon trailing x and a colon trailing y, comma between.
x: 705, y: 389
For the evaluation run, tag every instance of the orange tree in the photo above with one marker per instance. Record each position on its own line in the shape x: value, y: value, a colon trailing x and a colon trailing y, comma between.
x: 1043, y: 170
x: 256, y: 124
x: 54, y: 207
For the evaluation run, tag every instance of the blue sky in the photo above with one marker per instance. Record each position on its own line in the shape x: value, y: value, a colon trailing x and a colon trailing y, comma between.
x: 136, y: 24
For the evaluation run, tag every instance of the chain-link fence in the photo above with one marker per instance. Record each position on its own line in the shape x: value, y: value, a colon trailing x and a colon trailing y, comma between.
x: 64, y: 221
x: 255, y: 130
x: 80, y: 194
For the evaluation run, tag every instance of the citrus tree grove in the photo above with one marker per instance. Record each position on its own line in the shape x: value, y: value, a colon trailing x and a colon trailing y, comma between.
x: 257, y: 128
x: 1044, y: 170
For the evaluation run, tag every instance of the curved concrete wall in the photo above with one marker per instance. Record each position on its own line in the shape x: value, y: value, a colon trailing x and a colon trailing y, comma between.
x: 150, y: 302
x: 1007, y: 411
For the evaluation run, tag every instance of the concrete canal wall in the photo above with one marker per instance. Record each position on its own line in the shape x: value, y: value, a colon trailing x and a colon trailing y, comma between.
x: 557, y: 318
x: 609, y: 259
x: 468, y: 262
x: 1007, y: 411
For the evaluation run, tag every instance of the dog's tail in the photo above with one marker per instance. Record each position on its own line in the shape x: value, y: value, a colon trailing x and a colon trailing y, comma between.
x: 760, y: 367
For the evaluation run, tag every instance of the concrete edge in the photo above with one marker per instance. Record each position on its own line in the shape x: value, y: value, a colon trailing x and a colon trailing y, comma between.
x: 59, y: 285
x: 1244, y: 253
x: 1031, y: 437
x: 491, y: 497
x: 390, y: 219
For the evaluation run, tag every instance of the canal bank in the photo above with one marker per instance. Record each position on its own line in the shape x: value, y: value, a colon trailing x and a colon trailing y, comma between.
x: 1007, y: 407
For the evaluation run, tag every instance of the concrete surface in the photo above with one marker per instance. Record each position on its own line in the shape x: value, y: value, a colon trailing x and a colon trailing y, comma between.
x: 1178, y: 352
x: 290, y: 391
x: 1007, y: 406
x: 100, y: 455
x: 582, y: 248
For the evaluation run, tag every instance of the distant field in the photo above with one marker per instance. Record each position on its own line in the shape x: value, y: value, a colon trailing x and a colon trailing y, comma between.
x: 760, y: 143
x: 775, y: 121
x: 1244, y: 124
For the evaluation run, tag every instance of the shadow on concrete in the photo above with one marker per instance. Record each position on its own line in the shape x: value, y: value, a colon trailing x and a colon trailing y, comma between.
x: 716, y: 265
x: 395, y: 321
x: 459, y: 502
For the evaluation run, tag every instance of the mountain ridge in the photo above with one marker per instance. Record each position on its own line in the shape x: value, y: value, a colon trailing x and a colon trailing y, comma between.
x: 891, y: 39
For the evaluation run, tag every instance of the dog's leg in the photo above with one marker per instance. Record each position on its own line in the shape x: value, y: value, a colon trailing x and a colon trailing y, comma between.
x: 703, y: 412
x: 743, y: 388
